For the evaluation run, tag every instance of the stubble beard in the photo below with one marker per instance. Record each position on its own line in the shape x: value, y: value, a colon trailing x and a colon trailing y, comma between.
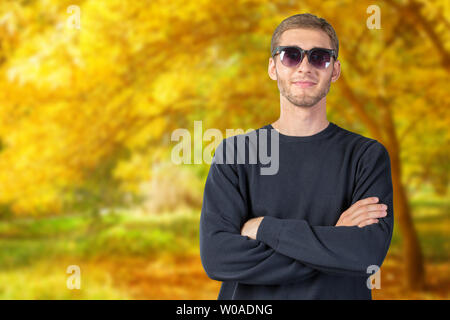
x: 303, y: 99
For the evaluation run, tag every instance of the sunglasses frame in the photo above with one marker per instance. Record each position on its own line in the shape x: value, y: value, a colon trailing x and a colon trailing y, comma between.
x: 303, y: 52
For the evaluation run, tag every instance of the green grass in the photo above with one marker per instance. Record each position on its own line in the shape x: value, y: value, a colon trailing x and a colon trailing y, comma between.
x: 432, y: 223
x: 43, y: 227
x: 25, y: 241
x: 47, y: 279
x: 32, y: 249
x: 34, y: 252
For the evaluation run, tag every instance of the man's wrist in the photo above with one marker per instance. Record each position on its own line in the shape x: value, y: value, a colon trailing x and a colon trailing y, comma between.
x: 269, y: 231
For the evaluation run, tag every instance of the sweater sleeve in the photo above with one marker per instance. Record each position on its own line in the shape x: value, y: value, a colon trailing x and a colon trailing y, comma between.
x: 346, y: 250
x: 226, y: 255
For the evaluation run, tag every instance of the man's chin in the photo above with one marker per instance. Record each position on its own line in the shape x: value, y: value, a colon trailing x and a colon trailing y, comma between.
x: 304, y: 105
x: 305, y: 102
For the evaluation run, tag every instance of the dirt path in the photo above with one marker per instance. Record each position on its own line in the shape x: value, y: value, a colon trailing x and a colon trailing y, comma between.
x: 172, y: 278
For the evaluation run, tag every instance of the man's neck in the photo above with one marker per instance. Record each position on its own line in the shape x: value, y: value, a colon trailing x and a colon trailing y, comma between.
x: 302, y: 121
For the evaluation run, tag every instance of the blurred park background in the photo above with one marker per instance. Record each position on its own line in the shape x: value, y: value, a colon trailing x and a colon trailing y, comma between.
x: 91, y: 91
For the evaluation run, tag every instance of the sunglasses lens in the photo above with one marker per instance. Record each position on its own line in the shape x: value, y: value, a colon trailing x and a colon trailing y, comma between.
x: 319, y: 58
x: 290, y: 57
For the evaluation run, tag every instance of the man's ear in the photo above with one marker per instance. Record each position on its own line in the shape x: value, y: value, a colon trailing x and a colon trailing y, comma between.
x: 336, y: 71
x: 272, y: 69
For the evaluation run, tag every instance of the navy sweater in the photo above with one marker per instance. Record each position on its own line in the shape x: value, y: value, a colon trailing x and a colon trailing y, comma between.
x: 298, y: 253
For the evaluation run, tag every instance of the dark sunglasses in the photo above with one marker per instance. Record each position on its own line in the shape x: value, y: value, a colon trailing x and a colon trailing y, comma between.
x: 291, y: 56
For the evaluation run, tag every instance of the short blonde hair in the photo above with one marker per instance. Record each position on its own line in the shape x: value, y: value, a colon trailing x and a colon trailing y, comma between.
x: 304, y: 21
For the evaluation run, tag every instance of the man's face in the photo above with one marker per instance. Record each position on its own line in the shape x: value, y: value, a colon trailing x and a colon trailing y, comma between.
x: 304, y: 95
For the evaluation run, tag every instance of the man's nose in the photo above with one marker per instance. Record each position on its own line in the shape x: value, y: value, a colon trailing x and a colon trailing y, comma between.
x: 304, y: 66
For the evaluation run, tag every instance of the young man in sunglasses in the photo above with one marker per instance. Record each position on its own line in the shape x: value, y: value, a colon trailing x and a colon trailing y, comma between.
x: 320, y: 226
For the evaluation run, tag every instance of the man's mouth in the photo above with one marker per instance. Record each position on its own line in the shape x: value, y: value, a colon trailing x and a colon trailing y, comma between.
x: 304, y: 84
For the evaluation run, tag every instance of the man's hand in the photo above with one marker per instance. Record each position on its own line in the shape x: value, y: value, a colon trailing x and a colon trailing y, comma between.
x: 250, y: 228
x: 363, y: 213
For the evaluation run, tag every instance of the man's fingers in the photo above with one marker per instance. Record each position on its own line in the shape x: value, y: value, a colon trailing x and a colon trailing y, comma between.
x: 367, y: 222
x: 360, y: 204
x: 366, y: 201
x: 369, y: 215
x: 363, y: 211
x: 368, y: 208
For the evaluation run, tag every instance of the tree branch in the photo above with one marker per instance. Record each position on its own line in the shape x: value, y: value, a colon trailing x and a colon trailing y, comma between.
x: 411, y: 12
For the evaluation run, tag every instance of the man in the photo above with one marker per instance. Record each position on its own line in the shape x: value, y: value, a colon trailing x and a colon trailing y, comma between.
x: 318, y: 227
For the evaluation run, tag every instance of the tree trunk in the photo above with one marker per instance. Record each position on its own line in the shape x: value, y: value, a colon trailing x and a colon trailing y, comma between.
x: 413, y: 261
x: 412, y: 253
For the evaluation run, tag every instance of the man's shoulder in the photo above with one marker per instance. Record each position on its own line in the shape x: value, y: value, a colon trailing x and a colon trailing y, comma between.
x: 364, y: 147
x: 357, y: 140
x: 242, y: 148
x: 237, y: 141
x: 250, y: 136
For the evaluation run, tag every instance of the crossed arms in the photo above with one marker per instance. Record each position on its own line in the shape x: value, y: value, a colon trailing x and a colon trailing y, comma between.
x: 268, y: 250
